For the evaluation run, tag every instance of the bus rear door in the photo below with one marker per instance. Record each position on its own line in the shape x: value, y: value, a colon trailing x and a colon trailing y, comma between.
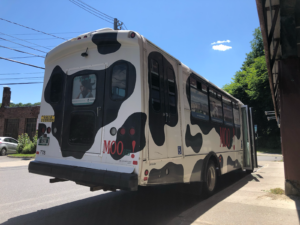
x: 83, y: 112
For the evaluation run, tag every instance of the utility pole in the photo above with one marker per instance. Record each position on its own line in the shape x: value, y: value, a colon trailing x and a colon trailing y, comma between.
x: 117, y: 24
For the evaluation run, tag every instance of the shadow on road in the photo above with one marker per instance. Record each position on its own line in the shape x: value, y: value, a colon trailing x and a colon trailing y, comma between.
x: 150, y: 205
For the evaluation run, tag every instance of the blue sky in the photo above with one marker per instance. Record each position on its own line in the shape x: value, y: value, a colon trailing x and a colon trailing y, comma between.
x: 185, y: 29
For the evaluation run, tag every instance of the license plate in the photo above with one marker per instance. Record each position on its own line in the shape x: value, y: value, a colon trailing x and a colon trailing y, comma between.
x: 44, y: 140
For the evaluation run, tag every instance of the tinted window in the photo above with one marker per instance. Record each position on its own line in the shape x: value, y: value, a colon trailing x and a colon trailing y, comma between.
x: 82, y: 128
x: 6, y: 140
x: 118, y: 82
x: 172, y: 90
x: 84, y: 90
x: 199, y: 101
x: 56, y: 87
x: 13, y: 141
x: 227, y: 110
x: 216, y: 113
x: 236, y: 115
x: 155, y: 85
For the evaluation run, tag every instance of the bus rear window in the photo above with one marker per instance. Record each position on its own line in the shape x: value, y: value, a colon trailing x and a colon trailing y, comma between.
x: 56, y: 87
x: 84, y: 90
x: 119, y: 81
x: 82, y: 128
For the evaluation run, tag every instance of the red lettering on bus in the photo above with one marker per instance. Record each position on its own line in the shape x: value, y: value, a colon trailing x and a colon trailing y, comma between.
x: 133, y: 145
x: 228, y: 138
x: 120, y: 142
x: 113, y: 143
x: 107, y: 147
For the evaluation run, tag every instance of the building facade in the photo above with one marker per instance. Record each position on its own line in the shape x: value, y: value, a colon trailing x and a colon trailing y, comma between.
x: 17, y: 120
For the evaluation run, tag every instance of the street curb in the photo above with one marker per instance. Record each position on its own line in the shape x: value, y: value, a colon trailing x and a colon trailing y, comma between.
x: 20, y: 157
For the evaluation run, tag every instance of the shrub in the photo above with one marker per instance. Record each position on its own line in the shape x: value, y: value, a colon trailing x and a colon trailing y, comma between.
x: 26, y: 146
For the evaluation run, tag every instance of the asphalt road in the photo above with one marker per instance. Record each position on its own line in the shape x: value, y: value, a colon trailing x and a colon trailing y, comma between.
x: 30, y: 199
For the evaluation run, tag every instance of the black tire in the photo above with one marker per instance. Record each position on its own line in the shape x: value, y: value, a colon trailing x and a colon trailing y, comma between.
x: 3, y: 151
x: 249, y: 171
x: 210, y: 179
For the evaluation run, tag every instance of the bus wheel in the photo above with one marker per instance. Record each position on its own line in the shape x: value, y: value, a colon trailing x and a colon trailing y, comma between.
x: 210, y: 179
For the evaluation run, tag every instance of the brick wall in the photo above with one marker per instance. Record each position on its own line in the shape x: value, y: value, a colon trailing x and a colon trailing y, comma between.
x: 21, y: 113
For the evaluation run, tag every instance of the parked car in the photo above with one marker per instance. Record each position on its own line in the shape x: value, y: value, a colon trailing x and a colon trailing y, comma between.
x: 8, y: 145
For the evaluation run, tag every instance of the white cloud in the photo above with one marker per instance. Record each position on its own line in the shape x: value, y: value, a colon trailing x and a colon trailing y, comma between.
x: 220, y: 42
x: 221, y: 47
x: 11, y: 101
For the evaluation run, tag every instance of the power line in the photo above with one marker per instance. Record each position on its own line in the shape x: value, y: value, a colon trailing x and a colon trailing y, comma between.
x: 21, y: 78
x: 89, y: 10
x: 43, y: 38
x: 55, y: 33
x: 22, y: 83
x: 21, y: 57
x: 29, y: 46
x: 31, y: 28
x: 24, y: 40
x: 22, y: 51
x: 23, y: 45
x: 22, y: 63
x: 19, y: 73
x: 107, y: 16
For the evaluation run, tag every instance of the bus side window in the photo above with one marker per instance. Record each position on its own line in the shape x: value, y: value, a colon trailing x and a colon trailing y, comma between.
x: 171, y: 90
x: 119, y: 81
x: 199, y: 100
x: 155, y: 85
x: 216, y: 113
x: 227, y: 110
x: 56, y: 87
x: 236, y: 115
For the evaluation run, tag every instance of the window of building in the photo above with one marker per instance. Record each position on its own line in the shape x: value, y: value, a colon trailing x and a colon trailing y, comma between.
x: 199, y: 100
x: 227, y: 110
x: 30, y: 128
x: 56, y: 87
x: 155, y: 85
x: 11, y: 128
x: 216, y: 113
x: 84, y: 89
x: 119, y: 81
x: 172, y: 91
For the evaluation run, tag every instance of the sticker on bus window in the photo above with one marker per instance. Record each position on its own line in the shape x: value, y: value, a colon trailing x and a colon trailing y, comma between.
x: 179, y: 150
x: 84, y: 90
x: 48, y: 119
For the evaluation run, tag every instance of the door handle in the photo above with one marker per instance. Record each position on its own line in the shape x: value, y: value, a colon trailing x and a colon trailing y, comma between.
x: 98, y: 109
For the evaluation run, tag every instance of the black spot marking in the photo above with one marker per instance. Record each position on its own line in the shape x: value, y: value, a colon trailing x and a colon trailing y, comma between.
x: 170, y: 173
x: 158, y: 119
x: 40, y: 129
x: 231, y: 165
x: 109, y: 112
x: 194, y: 141
x: 106, y: 42
x: 196, y: 173
x: 137, y: 121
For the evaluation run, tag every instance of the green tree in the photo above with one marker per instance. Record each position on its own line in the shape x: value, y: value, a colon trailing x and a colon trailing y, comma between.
x: 251, y: 86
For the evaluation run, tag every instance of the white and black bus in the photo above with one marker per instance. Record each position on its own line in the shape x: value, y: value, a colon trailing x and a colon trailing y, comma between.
x: 118, y: 112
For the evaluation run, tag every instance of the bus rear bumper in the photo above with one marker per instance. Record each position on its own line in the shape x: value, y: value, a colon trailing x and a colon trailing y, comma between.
x: 86, y: 176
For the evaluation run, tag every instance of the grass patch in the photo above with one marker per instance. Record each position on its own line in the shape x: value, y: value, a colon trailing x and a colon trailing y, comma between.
x: 277, y: 191
x: 269, y: 150
x: 22, y: 155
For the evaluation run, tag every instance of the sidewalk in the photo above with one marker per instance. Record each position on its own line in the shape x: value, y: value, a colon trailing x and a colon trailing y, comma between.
x: 247, y: 202
x: 15, y: 163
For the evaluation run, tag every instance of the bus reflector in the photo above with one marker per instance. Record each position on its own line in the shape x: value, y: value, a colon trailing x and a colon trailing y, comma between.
x: 145, y: 178
x: 132, y: 35
x: 37, y: 152
x: 134, y: 162
x: 132, y: 155
x: 79, y: 38
x: 85, y: 36
x: 146, y: 172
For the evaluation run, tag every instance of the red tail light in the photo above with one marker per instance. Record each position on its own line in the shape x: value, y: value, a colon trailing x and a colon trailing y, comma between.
x: 48, y: 130
x: 134, y: 162
x: 146, y: 172
x: 37, y: 153
x: 79, y: 38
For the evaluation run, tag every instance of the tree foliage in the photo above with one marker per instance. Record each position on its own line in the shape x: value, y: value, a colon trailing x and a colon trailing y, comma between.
x: 251, y: 86
x: 22, y: 104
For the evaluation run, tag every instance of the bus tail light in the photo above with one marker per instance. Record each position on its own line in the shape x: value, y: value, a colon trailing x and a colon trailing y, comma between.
x: 48, y: 130
x: 146, y: 172
x: 134, y: 162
